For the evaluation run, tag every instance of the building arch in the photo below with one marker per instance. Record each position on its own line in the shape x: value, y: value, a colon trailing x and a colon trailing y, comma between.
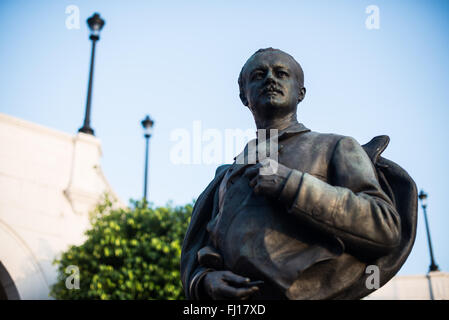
x: 21, y: 276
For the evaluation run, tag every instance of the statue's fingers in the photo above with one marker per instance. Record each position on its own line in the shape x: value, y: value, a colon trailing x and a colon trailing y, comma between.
x: 252, y: 171
x: 239, y: 293
x: 235, y: 278
x: 244, y: 294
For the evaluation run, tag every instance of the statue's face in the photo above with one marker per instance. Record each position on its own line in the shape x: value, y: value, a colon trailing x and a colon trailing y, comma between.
x: 271, y: 84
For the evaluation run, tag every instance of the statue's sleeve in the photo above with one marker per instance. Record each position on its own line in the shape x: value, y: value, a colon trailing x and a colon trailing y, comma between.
x: 351, y: 206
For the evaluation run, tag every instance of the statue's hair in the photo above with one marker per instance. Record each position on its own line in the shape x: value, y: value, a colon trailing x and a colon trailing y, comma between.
x: 299, y: 75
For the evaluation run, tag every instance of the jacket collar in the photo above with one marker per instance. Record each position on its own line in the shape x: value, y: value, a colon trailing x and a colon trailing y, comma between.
x: 292, y: 130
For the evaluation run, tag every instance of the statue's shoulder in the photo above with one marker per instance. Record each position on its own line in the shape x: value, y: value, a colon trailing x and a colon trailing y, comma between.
x: 328, y: 140
x: 323, y: 135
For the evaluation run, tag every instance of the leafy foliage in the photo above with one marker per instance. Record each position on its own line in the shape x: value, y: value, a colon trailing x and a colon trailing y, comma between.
x: 131, y: 253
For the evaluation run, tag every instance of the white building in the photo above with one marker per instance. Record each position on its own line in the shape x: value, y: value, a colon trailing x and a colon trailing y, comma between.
x: 49, y: 181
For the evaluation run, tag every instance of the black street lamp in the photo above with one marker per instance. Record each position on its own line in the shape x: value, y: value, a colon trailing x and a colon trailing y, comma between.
x: 147, y: 125
x: 423, y: 198
x: 95, y: 24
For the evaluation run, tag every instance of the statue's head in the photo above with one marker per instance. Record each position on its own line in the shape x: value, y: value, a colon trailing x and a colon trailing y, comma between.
x: 271, y: 83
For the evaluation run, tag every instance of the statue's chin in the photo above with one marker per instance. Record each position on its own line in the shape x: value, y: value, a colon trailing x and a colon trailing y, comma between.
x: 272, y: 107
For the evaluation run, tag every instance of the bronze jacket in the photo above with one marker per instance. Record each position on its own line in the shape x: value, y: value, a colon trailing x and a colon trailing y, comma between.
x: 331, y: 220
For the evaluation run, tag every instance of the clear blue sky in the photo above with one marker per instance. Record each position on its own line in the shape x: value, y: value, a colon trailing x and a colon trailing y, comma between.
x: 179, y: 61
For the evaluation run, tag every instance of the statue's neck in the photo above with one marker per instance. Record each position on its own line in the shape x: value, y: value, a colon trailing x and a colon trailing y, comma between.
x: 279, y: 123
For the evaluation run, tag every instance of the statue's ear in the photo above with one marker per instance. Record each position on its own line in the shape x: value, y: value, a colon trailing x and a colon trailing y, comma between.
x: 302, y: 94
x: 243, y: 98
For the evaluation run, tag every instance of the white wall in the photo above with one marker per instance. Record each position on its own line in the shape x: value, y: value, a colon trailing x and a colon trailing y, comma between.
x: 49, y: 181
x: 434, y: 286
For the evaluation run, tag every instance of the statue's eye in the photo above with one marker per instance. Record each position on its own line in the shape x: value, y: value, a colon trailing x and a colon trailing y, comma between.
x: 282, y: 74
x: 258, y: 75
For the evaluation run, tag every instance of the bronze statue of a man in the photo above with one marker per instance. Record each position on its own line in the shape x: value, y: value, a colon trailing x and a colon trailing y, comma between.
x: 310, y: 228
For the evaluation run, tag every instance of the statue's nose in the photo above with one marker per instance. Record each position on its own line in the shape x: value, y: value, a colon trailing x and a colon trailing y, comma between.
x: 269, y: 78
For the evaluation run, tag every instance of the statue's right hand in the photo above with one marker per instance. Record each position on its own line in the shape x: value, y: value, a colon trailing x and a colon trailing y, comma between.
x: 221, y: 285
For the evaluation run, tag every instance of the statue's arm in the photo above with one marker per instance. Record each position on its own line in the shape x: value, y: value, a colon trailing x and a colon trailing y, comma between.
x: 352, y: 206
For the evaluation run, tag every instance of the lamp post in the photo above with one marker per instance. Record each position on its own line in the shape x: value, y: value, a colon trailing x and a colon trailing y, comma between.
x: 147, y: 125
x: 423, y: 198
x: 95, y: 24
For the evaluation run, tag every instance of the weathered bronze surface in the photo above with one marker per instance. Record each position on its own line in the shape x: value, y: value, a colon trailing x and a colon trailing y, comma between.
x: 310, y: 228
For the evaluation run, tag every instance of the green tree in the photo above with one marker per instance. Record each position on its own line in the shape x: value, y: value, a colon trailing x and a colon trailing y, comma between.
x: 131, y: 253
